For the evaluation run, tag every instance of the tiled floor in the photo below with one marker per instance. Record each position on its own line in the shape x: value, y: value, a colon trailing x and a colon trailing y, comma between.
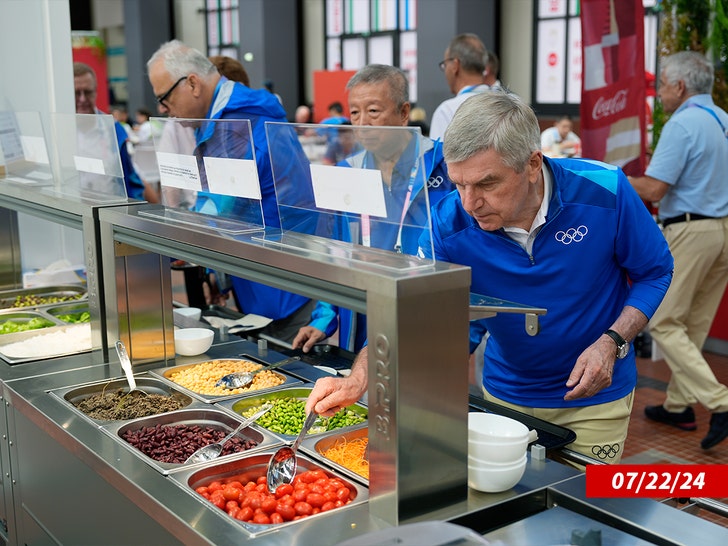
x: 654, y: 443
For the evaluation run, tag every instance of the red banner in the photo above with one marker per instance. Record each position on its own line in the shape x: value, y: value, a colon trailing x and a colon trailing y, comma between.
x: 613, y: 84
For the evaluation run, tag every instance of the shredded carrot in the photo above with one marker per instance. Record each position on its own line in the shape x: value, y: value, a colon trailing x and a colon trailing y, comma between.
x: 350, y: 454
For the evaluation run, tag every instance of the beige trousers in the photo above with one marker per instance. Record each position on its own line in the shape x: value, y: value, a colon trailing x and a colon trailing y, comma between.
x: 681, y: 324
x: 600, y: 429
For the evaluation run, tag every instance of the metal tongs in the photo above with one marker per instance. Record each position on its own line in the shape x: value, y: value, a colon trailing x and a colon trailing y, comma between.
x: 238, y: 380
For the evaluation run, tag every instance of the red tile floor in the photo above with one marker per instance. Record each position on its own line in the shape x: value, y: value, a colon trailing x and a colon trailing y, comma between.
x: 654, y: 443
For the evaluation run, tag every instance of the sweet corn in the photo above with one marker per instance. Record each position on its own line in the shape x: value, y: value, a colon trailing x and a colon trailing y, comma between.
x: 201, y: 378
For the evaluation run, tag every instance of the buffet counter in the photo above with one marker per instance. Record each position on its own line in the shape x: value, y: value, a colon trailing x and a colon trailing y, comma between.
x: 75, y: 484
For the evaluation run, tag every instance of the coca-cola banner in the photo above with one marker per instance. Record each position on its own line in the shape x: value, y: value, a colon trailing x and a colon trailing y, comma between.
x: 613, y: 86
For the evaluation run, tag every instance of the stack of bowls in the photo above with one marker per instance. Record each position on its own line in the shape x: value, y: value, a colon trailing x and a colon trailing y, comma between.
x: 497, y: 448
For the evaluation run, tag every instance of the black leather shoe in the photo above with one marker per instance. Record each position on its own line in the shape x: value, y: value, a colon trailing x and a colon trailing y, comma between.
x: 718, y: 430
x: 684, y: 420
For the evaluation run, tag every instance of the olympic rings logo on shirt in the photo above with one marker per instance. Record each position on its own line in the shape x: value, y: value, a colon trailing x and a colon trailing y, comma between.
x: 606, y: 451
x: 435, y: 182
x: 575, y: 235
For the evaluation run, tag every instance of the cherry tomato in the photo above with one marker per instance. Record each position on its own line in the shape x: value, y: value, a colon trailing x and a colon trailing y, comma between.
x: 250, y: 486
x: 218, y: 499
x: 328, y: 505
x: 343, y: 494
x: 285, y: 489
x: 317, y: 488
x: 235, y: 483
x: 232, y: 512
x: 261, y: 480
x: 275, y: 517
x: 255, y: 500
x: 336, y: 484
x: 214, y: 486
x: 262, y: 519
x: 308, y: 477
x: 231, y: 504
x: 303, y: 508
x: 202, y: 490
x: 300, y: 494
x: 261, y: 487
x: 330, y: 496
x: 318, y: 475
x: 286, y: 511
x: 231, y: 493
x: 315, y: 510
x: 316, y: 500
x: 245, y: 514
x: 269, y: 504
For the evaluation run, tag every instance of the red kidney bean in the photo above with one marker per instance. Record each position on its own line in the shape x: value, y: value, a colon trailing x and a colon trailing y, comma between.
x: 174, y: 443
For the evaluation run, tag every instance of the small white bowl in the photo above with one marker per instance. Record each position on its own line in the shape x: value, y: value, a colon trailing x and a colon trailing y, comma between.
x: 494, y: 479
x: 501, y: 451
x: 191, y: 312
x: 192, y: 341
x: 491, y: 426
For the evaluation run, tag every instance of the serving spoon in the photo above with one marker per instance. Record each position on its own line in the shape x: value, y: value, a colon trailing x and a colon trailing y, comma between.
x: 212, y: 451
x: 282, y: 465
x: 238, y: 380
x: 126, y: 365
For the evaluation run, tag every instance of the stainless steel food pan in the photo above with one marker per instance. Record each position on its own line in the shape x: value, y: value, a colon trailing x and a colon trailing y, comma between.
x: 240, y: 405
x: 8, y: 297
x: 250, y: 467
x: 202, y: 416
x: 75, y: 394
x: 319, y: 444
x: 166, y: 373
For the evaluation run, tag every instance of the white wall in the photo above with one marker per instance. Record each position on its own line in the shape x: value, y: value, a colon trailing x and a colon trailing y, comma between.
x: 516, y: 46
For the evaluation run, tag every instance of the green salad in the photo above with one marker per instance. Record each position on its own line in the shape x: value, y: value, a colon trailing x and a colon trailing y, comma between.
x: 13, y: 326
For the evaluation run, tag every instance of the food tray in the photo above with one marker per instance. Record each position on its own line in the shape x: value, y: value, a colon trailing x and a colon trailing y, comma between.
x: 22, y: 316
x: 250, y: 467
x: 240, y: 405
x: 8, y: 297
x: 317, y: 446
x: 152, y: 385
x: 549, y: 435
x: 58, y: 332
x: 203, y: 416
x: 165, y: 373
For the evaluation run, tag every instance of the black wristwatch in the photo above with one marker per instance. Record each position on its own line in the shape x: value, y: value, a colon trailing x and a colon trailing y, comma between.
x: 622, y: 345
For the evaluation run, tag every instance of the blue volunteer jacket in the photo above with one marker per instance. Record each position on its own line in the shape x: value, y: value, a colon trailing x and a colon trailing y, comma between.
x: 598, y: 251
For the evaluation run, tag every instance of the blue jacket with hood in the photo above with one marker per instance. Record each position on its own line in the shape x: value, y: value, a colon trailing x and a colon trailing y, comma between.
x: 233, y: 100
x: 598, y: 251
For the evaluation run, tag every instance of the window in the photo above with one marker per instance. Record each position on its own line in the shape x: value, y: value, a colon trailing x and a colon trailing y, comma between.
x: 223, y: 32
x: 361, y: 32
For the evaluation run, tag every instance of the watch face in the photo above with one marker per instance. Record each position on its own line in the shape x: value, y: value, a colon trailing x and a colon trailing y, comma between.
x: 623, y: 350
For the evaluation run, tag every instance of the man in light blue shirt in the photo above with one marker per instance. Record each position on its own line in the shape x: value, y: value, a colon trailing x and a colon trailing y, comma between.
x: 687, y: 175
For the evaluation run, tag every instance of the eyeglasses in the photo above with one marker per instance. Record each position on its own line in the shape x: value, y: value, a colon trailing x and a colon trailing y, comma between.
x: 443, y: 64
x: 161, y: 98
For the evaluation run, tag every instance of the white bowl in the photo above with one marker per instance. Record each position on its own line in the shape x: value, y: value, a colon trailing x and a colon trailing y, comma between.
x: 494, y: 479
x: 191, y: 312
x: 192, y: 341
x: 485, y: 463
x: 498, y: 451
x: 491, y: 426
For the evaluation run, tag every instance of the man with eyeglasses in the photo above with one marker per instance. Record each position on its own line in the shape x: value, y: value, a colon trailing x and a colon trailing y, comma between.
x: 85, y: 88
x: 464, y: 65
x: 188, y: 85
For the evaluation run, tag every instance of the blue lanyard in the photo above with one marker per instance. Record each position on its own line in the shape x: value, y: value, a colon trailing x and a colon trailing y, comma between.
x: 712, y: 113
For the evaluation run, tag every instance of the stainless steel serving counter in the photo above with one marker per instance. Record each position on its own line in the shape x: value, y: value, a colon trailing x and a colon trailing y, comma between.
x: 80, y: 486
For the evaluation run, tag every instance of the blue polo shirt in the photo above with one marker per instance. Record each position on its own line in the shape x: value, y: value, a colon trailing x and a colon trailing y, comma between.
x: 692, y: 157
